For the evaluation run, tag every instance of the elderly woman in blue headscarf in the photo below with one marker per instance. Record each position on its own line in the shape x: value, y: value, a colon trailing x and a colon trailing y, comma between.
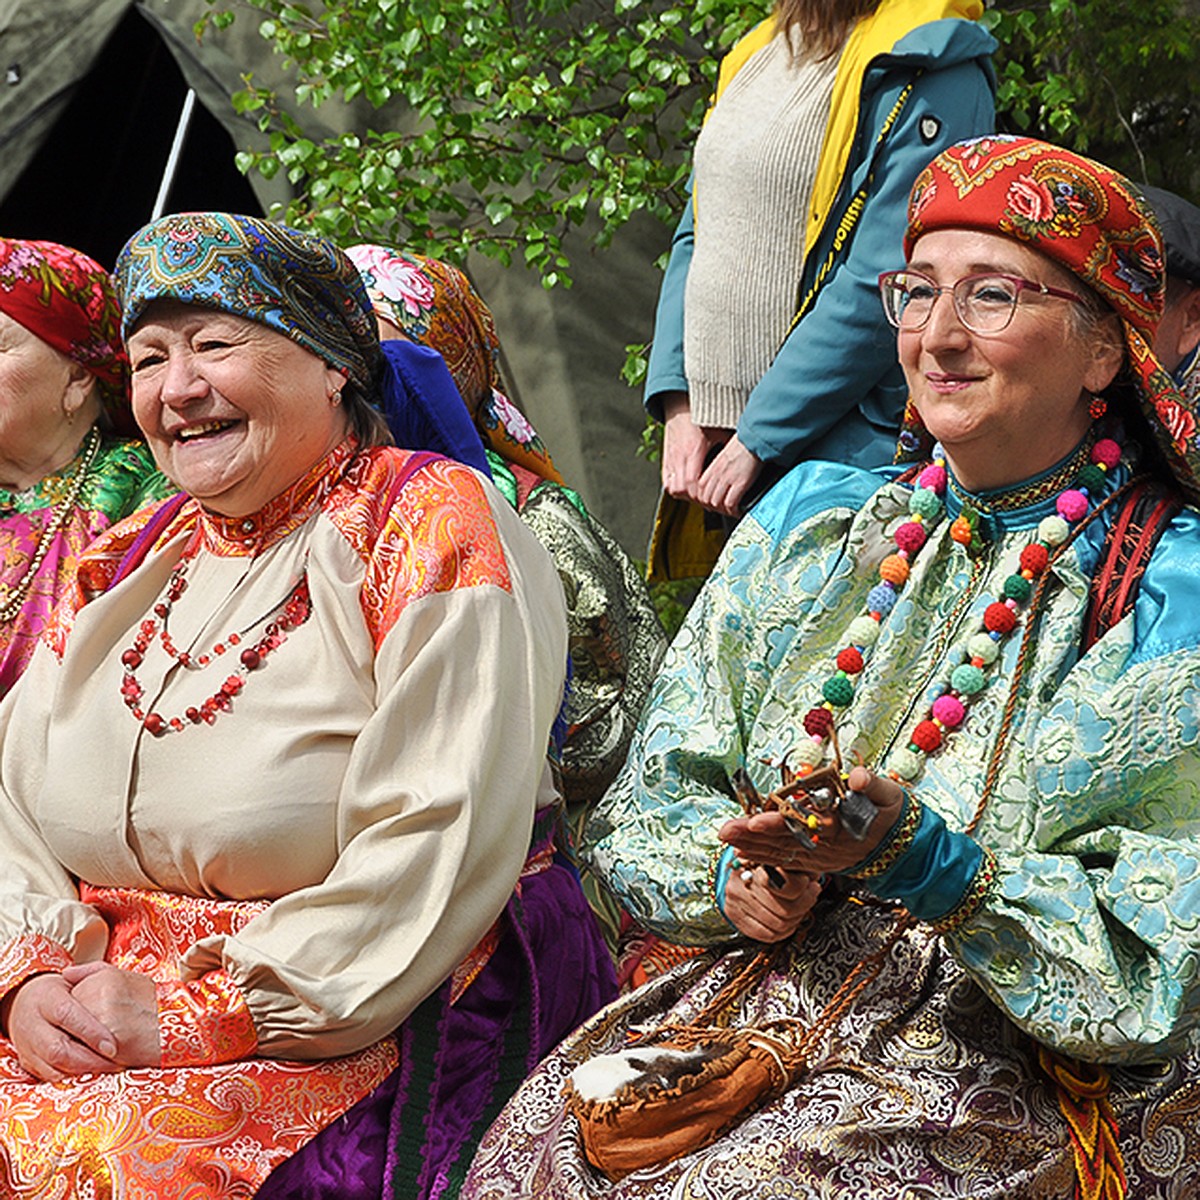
x: 277, y: 881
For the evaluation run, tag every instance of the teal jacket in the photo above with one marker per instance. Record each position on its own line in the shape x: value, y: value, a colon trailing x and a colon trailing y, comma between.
x: 835, y: 390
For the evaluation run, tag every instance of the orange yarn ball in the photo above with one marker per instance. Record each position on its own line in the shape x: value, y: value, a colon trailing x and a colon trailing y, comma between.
x: 894, y: 570
x: 960, y: 531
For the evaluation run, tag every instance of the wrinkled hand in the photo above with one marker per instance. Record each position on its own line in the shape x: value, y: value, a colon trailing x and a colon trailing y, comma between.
x: 766, y: 912
x: 686, y: 447
x: 54, y: 1033
x: 728, y: 478
x: 125, y: 1002
x: 765, y: 838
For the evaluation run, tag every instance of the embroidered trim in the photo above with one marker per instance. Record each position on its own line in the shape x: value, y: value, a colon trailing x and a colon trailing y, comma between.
x: 28, y: 955
x: 204, y: 1022
x: 897, y: 843
x: 1031, y: 493
x: 973, y: 899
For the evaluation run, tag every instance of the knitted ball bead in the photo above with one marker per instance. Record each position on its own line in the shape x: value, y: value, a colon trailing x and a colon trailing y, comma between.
x: 838, y: 690
x: 1053, y: 531
x: 881, y: 599
x: 907, y: 764
x: 910, y: 537
x: 893, y: 570
x: 1017, y: 587
x: 1072, y: 505
x: 818, y: 722
x: 808, y: 754
x: 967, y: 679
x: 850, y: 660
x: 950, y: 711
x: 984, y: 648
x: 1106, y: 452
x: 999, y: 618
x: 933, y: 478
x: 1034, y: 558
x: 960, y: 531
x: 924, y: 503
x: 863, y: 631
x: 927, y: 736
x: 1091, y: 477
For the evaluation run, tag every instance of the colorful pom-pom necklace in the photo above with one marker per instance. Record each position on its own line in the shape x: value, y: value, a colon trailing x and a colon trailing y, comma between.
x: 968, y: 678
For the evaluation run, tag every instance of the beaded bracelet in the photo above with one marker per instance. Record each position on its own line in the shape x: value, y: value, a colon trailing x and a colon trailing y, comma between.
x: 974, y: 899
x: 897, y: 842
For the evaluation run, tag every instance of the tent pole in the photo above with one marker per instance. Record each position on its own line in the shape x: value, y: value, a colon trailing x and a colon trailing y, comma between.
x: 185, y: 117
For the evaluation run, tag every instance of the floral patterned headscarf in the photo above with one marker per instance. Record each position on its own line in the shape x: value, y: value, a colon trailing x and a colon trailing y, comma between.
x: 433, y: 303
x: 1090, y: 220
x: 67, y: 299
x: 296, y: 283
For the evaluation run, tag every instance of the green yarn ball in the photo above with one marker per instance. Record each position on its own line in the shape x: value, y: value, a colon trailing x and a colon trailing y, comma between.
x: 1017, y: 587
x: 924, y: 503
x: 838, y: 691
x: 982, y: 646
x: 1091, y: 477
x: 967, y: 680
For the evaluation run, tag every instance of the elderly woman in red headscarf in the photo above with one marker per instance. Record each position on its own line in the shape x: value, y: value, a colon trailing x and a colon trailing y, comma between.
x: 70, y: 462
x: 922, y: 769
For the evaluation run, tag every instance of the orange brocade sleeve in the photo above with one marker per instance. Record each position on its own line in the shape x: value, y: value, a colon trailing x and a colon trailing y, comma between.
x: 203, y: 1022
x: 29, y: 955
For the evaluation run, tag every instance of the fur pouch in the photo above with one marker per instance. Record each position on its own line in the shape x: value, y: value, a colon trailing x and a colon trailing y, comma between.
x: 650, y: 1104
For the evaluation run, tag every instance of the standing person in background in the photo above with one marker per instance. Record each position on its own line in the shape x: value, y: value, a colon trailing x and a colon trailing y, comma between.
x: 822, y: 118
x: 71, y: 463
x: 1178, y: 342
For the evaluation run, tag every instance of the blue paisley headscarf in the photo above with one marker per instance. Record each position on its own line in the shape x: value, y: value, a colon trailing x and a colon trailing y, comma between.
x: 296, y: 283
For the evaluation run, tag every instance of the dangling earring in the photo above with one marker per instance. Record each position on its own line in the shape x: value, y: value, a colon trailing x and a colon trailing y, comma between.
x: 1097, y: 407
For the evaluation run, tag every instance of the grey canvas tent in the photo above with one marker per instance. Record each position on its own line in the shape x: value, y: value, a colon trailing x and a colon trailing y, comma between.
x: 89, y: 108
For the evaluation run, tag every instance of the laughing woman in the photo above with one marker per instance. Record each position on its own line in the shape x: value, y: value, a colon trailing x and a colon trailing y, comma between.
x: 270, y: 920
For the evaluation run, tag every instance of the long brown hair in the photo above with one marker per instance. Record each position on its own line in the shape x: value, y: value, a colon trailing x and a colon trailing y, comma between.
x: 818, y: 28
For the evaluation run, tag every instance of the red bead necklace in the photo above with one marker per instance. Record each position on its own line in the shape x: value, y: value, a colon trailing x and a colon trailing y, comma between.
x: 292, y: 613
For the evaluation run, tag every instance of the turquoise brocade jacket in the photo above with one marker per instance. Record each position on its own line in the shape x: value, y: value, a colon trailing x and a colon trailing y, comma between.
x: 1089, y: 937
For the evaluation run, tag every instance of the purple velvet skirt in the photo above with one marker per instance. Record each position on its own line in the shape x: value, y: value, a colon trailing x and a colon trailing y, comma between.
x: 413, y: 1137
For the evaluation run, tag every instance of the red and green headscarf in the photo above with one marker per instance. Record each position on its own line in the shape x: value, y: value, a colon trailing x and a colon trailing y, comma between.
x: 66, y: 298
x: 1087, y: 218
x: 433, y: 303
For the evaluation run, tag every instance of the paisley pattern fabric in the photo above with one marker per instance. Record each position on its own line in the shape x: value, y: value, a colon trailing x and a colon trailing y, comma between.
x: 67, y: 299
x: 1090, y: 220
x: 299, y: 285
x: 1088, y: 943
x: 121, y: 480
x: 160, y: 1127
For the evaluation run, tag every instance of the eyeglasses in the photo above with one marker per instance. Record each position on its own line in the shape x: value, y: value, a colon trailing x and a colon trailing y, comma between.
x: 984, y: 303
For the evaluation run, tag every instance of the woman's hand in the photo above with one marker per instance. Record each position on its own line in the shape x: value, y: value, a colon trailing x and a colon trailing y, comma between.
x: 765, y: 838
x: 686, y: 447
x: 728, y: 478
x: 766, y: 911
x: 54, y: 1033
x: 126, y: 1003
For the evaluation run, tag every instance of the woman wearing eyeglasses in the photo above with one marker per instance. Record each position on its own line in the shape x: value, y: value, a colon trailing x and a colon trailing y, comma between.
x: 981, y: 932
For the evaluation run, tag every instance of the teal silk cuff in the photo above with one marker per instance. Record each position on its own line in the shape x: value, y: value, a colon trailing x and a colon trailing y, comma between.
x: 933, y: 875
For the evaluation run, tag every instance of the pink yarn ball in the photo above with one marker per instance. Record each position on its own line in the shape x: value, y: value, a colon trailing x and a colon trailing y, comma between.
x: 934, y: 478
x: 910, y: 537
x: 1106, y: 453
x: 950, y: 711
x: 1072, y: 505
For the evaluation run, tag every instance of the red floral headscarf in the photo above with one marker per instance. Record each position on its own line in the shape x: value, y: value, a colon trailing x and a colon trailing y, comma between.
x: 1088, y: 219
x: 67, y: 299
x: 433, y: 303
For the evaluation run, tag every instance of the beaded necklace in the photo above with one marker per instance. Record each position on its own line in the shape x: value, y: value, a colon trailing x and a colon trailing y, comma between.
x: 14, y: 596
x: 968, y: 678
x: 281, y: 619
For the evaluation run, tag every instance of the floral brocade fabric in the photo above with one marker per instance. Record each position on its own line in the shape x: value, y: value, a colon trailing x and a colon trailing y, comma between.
x: 213, y: 1130
x: 1088, y: 943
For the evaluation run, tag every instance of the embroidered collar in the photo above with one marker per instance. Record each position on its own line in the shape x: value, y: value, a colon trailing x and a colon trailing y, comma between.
x: 255, y: 532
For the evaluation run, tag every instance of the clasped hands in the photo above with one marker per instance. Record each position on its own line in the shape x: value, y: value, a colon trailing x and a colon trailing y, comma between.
x: 86, y: 1019
x: 687, y: 472
x: 769, y: 911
